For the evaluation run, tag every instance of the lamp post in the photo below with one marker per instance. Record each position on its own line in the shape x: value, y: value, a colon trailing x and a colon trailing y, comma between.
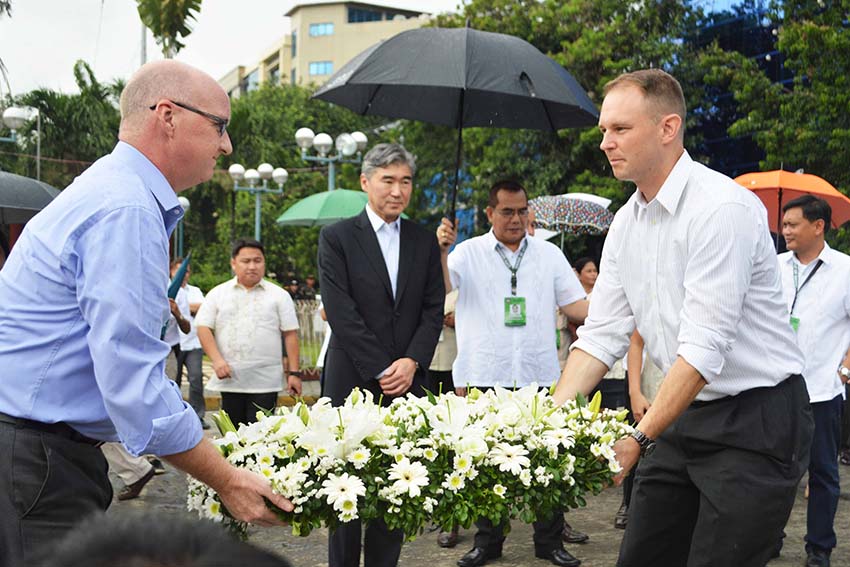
x: 184, y: 202
x: 264, y: 172
x: 346, y: 146
x: 15, y: 118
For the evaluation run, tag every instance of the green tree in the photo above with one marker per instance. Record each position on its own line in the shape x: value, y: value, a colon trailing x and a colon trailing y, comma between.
x: 169, y: 20
x: 262, y: 128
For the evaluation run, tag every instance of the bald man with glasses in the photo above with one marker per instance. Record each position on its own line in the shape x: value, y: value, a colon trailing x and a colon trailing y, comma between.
x: 82, y: 304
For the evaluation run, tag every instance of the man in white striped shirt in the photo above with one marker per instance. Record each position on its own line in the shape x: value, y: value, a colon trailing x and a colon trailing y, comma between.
x: 689, y: 262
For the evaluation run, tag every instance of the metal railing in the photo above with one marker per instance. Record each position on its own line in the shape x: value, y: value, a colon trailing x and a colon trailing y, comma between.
x: 311, y: 331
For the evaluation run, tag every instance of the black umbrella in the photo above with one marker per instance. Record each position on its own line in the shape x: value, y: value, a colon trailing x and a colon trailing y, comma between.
x: 461, y: 77
x: 22, y: 197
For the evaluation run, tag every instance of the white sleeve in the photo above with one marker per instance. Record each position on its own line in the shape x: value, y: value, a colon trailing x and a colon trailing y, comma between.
x: 286, y: 312
x: 209, y: 310
x: 567, y: 287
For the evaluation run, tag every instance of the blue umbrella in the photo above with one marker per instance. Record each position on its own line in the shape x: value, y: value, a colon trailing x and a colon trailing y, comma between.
x: 177, y: 280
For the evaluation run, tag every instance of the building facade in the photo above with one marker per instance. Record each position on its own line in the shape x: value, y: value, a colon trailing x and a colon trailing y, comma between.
x: 324, y: 36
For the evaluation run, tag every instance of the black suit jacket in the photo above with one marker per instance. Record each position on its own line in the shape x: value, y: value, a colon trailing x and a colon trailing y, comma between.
x: 370, y: 329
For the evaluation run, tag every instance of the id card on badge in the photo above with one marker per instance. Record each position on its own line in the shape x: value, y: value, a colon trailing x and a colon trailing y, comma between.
x: 514, y: 311
x: 795, y: 323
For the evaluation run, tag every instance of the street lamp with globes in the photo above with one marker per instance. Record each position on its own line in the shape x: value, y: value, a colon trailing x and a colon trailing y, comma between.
x: 16, y: 118
x: 252, y: 177
x: 346, y: 146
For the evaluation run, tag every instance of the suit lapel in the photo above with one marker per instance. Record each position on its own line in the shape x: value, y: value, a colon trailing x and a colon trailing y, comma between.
x: 368, y: 242
x: 407, y: 246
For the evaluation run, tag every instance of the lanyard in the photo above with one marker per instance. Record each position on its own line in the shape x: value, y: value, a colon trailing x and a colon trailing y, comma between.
x: 515, y: 268
x: 797, y: 279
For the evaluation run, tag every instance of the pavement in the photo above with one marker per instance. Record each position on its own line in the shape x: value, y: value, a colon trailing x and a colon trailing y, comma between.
x: 166, y: 494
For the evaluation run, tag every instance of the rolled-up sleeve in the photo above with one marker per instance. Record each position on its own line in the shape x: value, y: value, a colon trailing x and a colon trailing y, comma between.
x: 122, y: 273
x: 610, y: 322
x: 717, y: 277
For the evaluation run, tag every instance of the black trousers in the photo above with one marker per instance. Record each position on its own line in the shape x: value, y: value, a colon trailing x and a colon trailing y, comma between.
x: 824, y: 486
x: 48, y: 484
x: 193, y: 361
x: 440, y: 381
x: 547, y: 534
x: 720, y: 485
x: 381, y: 546
x: 243, y: 408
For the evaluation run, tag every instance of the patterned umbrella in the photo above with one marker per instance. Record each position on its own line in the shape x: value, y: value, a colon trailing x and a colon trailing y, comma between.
x: 570, y: 215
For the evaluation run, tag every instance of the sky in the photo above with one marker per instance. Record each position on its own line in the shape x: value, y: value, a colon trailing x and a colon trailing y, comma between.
x: 43, y: 39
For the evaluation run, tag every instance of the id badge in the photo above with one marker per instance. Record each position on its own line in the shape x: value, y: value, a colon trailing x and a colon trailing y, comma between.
x: 795, y: 323
x: 514, y: 311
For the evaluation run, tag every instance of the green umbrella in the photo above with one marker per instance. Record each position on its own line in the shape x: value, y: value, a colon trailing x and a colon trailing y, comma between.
x: 324, y: 208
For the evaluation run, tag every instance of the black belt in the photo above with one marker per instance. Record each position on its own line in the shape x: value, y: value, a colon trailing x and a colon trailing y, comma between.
x: 59, y: 429
x: 747, y: 393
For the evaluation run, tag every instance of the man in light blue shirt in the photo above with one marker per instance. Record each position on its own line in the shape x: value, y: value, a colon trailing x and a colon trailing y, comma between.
x: 82, y: 304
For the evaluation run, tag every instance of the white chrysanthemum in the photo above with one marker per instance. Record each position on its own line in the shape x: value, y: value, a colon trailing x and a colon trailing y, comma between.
x: 500, y: 490
x: 429, y: 454
x: 525, y: 477
x: 510, y: 458
x: 462, y: 463
x: 212, y: 510
x: 409, y: 477
x: 342, y: 487
x: 454, y: 482
x: 359, y: 457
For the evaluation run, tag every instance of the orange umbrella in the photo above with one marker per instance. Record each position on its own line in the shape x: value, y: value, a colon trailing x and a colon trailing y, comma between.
x: 777, y: 187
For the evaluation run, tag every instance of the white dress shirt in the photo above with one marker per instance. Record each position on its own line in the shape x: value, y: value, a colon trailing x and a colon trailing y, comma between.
x: 823, y: 307
x: 189, y: 341
x: 695, y: 269
x: 247, y: 325
x: 489, y: 353
x: 389, y: 237
x: 172, y: 330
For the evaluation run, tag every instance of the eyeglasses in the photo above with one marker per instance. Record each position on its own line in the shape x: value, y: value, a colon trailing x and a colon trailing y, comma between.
x: 219, y: 122
x: 509, y: 213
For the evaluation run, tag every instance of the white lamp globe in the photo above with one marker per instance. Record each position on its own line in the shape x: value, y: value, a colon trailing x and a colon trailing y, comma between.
x: 323, y: 143
x: 265, y: 170
x: 280, y: 175
x: 304, y: 138
x: 237, y: 172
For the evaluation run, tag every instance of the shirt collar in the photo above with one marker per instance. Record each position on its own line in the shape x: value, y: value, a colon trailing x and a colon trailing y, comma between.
x: 494, y: 243
x: 377, y: 222
x: 825, y: 255
x: 260, y: 284
x: 671, y: 191
x: 154, y: 180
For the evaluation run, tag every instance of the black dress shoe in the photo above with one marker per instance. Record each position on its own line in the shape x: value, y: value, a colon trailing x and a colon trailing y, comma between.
x: 447, y: 539
x: 133, y: 490
x: 477, y: 556
x: 560, y: 557
x: 817, y: 558
x: 571, y: 535
x: 621, y: 518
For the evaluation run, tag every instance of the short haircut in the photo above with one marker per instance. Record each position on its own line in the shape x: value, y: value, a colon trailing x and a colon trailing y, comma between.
x: 146, y: 540
x: 582, y: 262
x: 168, y: 79
x: 814, y: 208
x: 509, y: 185
x: 385, y: 155
x: 176, y: 261
x: 246, y: 243
x: 661, y: 89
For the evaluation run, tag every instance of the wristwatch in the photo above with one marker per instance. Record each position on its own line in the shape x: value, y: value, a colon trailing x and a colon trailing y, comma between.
x: 647, y: 445
x: 844, y: 371
x: 297, y: 373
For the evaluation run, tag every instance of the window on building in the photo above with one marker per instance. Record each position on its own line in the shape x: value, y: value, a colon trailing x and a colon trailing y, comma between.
x: 274, y: 75
x: 294, y: 42
x: 321, y: 67
x: 251, y: 82
x: 317, y: 30
x: 292, y: 76
x: 357, y: 15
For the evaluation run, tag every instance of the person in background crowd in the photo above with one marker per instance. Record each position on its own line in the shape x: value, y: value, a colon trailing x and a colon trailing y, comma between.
x: 191, y: 355
x: 309, y: 289
x: 82, y: 306
x: 689, y: 262
x: 294, y: 289
x: 441, y: 380
x: 240, y: 325
x: 383, y: 295
x: 509, y: 286
x: 643, y: 378
x: 816, y: 281
x: 587, y: 273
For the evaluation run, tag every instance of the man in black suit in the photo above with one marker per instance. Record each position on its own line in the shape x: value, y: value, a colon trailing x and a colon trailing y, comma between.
x: 383, y: 292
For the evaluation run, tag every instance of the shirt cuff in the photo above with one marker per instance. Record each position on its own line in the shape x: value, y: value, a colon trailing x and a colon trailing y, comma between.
x: 381, y: 374
x: 172, y: 434
x: 708, y: 362
x: 595, y: 351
